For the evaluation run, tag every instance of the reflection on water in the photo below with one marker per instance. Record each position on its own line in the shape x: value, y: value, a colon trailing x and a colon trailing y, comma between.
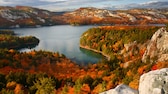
x: 91, y: 54
x: 63, y: 39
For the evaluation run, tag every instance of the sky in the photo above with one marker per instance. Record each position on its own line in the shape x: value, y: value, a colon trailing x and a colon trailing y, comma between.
x: 63, y: 5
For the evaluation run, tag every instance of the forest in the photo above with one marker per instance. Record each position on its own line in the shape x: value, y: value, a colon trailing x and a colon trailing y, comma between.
x: 10, y: 41
x: 38, y: 72
x: 110, y: 40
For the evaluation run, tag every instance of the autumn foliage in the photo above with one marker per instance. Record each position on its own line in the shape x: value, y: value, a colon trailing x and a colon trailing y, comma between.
x: 38, y: 71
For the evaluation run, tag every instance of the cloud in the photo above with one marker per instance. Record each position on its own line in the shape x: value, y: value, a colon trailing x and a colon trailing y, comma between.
x: 53, y: 0
x: 4, y: 2
x: 155, y: 5
x: 22, y: 2
x: 74, y: 4
x: 150, y: 4
x: 56, y: 4
x: 61, y: 5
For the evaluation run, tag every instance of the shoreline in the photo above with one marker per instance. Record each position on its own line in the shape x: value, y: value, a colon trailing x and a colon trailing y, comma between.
x: 86, y: 47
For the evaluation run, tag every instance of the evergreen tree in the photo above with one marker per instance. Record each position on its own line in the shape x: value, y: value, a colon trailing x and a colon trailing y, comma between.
x: 78, y: 86
x: 44, y: 86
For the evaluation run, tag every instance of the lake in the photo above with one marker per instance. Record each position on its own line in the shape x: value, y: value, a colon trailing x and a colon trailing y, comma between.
x: 63, y: 39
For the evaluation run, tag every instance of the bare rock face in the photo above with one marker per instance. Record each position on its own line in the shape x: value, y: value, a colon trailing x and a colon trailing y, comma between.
x: 121, y: 89
x: 154, y: 82
x: 157, y: 50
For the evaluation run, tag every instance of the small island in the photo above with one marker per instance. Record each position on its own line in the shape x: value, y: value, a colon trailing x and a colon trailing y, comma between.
x: 10, y: 41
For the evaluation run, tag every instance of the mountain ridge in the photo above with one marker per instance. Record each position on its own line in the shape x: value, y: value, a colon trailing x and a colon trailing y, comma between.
x: 131, y: 16
x: 25, y: 16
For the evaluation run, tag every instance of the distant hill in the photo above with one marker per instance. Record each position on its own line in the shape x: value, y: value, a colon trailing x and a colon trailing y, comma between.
x: 24, y: 16
x: 92, y: 15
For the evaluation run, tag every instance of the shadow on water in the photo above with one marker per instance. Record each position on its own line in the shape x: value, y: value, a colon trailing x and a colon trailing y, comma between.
x: 91, y: 53
x: 93, y: 57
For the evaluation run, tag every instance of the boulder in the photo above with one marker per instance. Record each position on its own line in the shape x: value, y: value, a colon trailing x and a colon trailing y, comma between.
x: 121, y: 89
x: 157, y: 50
x: 154, y: 82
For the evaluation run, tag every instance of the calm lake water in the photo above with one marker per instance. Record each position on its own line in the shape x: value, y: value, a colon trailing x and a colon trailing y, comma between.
x: 63, y: 39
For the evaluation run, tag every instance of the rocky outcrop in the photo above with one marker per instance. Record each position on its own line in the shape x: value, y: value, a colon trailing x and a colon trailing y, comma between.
x: 12, y: 16
x: 157, y: 50
x: 154, y: 82
x: 121, y: 89
x: 23, y: 16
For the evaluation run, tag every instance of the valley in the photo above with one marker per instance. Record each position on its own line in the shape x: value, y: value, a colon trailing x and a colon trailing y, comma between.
x: 50, y: 60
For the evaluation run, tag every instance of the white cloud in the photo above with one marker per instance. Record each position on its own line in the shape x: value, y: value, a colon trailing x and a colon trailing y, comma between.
x: 149, y: 2
x: 53, y: 0
x: 74, y: 4
x: 2, y: 2
x: 21, y: 2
